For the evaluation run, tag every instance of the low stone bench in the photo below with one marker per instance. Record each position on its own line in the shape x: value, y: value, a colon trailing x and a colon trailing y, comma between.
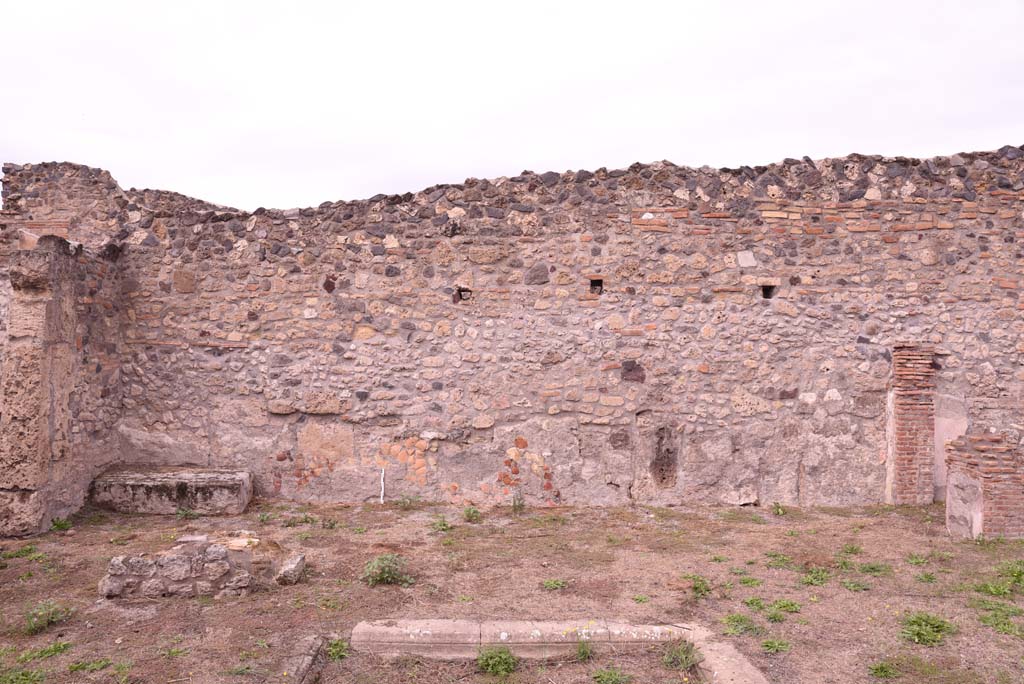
x: 166, y: 490
x: 453, y: 639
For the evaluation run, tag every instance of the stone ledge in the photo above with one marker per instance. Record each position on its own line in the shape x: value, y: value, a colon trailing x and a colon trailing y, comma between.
x: 462, y: 639
x: 143, y: 489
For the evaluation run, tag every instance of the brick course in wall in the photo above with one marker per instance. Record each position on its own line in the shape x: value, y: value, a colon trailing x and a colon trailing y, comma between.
x: 656, y: 334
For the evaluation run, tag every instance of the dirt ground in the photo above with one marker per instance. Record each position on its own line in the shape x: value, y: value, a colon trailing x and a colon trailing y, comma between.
x: 636, y: 564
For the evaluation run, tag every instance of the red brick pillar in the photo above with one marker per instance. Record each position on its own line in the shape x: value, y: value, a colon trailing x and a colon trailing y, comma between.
x: 912, y: 426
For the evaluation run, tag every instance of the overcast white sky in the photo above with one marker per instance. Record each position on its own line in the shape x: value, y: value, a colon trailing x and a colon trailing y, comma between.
x: 291, y: 103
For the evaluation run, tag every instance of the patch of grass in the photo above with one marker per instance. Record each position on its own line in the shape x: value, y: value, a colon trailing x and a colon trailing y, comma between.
x: 358, y: 530
x: 700, y: 586
x: 854, y: 585
x: 884, y: 669
x: 778, y: 509
x: 994, y: 588
x: 925, y: 577
x: 554, y: 584
x: 497, y: 661
x: 774, y: 646
x: 337, y: 650
x: 926, y: 629
x: 584, y: 651
x: 738, y: 625
x: 1013, y: 572
x: 23, y: 552
x: 754, y: 603
x: 998, y: 615
x: 328, y: 524
x: 44, y: 614
x: 240, y: 670
x: 173, y: 652
x: 750, y: 582
x: 186, y: 514
x: 786, y: 606
x: 472, y: 514
x: 641, y: 598
x: 264, y: 518
x: 917, y: 559
x: 875, y: 569
x: 681, y: 655
x: 775, y: 616
x: 60, y: 524
x: 718, y: 559
x: 738, y: 571
x: 90, y: 665
x: 45, y: 652
x: 20, y: 676
x: 816, y: 576
x: 387, y: 569
x: 518, y: 503
x: 440, y: 524
x: 851, y: 549
x: 778, y: 560
x: 611, y: 675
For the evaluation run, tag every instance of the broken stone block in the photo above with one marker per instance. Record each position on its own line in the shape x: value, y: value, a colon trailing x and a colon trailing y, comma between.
x: 111, y: 586
x: 291, y: 570
x: 175, y: 567
x: 167, y: 490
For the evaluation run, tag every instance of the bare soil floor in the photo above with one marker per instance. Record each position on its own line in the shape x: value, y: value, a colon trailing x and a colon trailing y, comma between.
x: 873, y: 567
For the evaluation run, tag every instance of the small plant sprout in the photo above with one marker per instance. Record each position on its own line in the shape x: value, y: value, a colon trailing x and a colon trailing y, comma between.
x: 681, y: 655
x: 518, y: 503
x: 611, y: 675
x: 778, y: 509
x: 641, y: 598
x: 440, y: 524
x: 387, y: 569
x: 584, y: 651
x: 926, y: 629
x: 554, y: 584
x: 186, y: 514
x: 774, y: 646
x: 816, y: 576
x: 700, y: 586
x: 497, y: 661
x: 60, y: 524
x: 43, y: 615
x: 471, y: 514
x: 917, y: 559
x: 884, y: 670
x: 337, y: 650
x: 738, y: 625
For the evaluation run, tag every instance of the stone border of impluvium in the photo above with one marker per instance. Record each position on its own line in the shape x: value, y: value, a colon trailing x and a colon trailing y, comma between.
x: 460, y: 639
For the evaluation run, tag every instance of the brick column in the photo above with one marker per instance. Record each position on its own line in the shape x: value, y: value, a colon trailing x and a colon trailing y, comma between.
x: 985, y: 494
x: 912, y: 426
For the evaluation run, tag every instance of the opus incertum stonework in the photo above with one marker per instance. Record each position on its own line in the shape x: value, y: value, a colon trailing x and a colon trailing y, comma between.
x: 835, y: 332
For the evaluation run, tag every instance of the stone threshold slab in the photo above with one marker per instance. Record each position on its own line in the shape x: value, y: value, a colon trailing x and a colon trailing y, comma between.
x: 462, y: 639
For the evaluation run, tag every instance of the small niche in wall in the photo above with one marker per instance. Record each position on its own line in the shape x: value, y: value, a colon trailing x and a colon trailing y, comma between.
x: 461, y: 294
x: 596, y: 286
x: 768, y: 291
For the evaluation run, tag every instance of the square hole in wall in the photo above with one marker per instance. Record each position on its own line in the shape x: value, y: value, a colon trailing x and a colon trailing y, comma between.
x: 596, y: 286
x: 461, y: 294
x: 768, y: 291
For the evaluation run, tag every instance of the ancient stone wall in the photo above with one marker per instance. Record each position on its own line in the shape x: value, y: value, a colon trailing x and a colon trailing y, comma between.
x: 656, y: 334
